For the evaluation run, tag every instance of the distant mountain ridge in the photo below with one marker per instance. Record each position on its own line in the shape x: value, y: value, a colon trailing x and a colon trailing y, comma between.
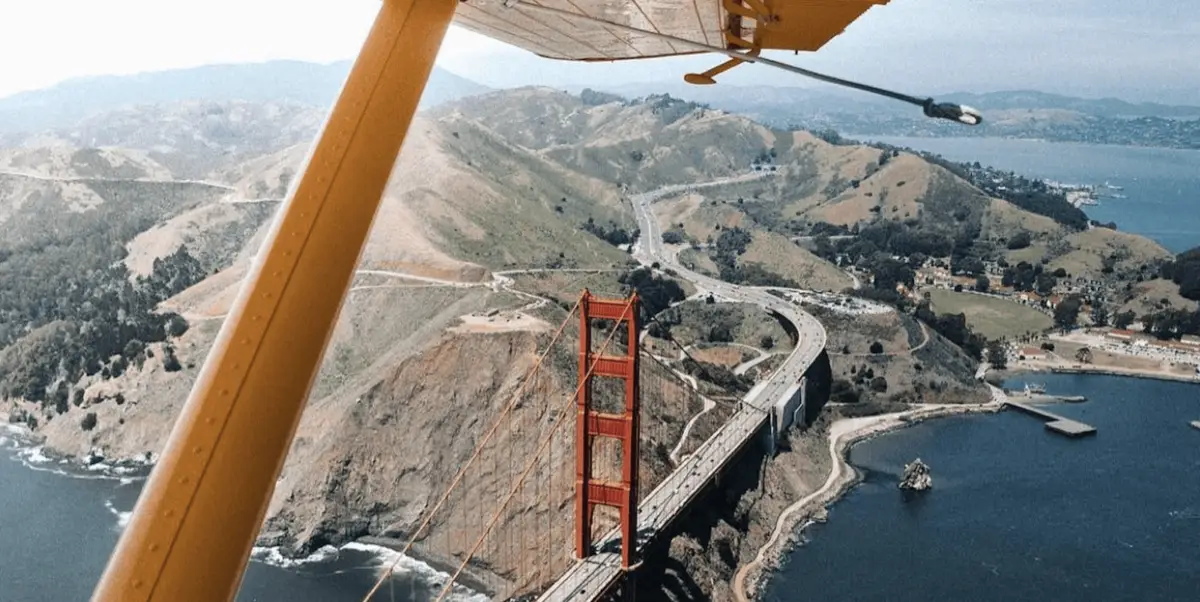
x: 1018, y: 113
x: 828, y: 99
x: 67, y: 103
x: 1100, y: 107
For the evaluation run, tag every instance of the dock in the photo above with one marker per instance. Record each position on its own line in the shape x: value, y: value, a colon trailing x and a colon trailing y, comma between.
x: 1043, y: 398
x: 1054, y: 422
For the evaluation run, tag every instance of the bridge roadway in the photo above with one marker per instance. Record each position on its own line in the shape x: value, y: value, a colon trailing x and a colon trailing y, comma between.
x: 590, y: 578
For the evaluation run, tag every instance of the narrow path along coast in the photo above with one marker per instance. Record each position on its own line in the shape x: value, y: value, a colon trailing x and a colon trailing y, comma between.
x: 842, y: 435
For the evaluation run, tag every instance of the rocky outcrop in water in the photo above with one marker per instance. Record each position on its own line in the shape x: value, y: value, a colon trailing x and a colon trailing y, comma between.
x: 916, y: 476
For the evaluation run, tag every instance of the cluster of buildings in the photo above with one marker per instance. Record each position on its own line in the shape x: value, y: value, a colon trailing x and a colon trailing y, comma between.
x: 1129, y: 342
x: 1189, y: 344
x: 937, y: 275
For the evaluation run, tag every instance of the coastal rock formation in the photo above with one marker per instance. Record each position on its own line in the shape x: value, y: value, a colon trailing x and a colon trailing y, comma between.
x: 916, y: 476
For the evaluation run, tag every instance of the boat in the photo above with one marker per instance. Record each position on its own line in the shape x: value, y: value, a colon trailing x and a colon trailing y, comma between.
x: 1113, y: 186
x: 1196, y: 423
x: 1035, y: 389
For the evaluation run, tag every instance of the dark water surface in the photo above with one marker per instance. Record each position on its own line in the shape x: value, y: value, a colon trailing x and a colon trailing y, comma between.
x: 1019, y: 513
x: 58, y: 527
x: 1016, y: 513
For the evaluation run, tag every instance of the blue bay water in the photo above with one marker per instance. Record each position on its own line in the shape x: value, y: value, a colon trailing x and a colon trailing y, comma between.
x: 58, y: 527
x: 1162, y: 185
x: 1019, y: 513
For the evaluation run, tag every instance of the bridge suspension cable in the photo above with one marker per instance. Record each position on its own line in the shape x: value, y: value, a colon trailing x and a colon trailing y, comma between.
x: 475, y: 454
x: 533, y: 461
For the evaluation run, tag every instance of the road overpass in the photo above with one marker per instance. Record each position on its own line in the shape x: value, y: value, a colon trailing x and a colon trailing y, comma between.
x: 592, y: 577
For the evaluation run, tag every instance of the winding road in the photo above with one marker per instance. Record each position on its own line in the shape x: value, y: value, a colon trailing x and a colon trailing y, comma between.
x: 590, y: 578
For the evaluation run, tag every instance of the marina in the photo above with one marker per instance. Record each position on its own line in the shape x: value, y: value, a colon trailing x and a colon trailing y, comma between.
x: 1086, y: 195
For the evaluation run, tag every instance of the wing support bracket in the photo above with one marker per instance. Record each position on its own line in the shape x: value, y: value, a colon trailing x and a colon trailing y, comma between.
x: 739, y: 11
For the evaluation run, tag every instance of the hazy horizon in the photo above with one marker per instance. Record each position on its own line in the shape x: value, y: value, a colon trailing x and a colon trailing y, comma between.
x: 1081, y: 48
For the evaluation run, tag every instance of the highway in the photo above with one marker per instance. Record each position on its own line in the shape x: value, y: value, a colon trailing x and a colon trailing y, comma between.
x: 592, y: 577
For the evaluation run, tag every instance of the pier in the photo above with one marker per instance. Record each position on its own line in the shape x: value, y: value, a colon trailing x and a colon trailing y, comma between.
x: 1054, y: 422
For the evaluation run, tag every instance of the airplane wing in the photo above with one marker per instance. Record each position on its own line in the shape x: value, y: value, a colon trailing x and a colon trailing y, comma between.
x: 581, y: 30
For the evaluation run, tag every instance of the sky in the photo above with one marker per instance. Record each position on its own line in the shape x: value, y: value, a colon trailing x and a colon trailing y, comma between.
x: 1140, y: 50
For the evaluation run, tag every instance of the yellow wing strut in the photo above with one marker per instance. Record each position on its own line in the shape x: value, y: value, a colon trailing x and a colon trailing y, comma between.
x: 198, y: 517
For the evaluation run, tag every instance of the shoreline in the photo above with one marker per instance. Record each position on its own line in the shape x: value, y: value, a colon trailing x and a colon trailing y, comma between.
x: 1098, y: 371
x: 750, y: 577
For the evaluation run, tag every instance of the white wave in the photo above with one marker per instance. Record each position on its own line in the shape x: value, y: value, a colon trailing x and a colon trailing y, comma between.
x: 16, y: 429
x: 274, y: 557
x: 34, y: 455
x: 122, y: 516
x: 399, y: 563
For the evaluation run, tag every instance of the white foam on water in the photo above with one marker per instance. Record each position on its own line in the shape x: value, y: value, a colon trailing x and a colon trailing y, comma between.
x: 34, y: 455
x: 399, y: 563
x: 122, y: 517
x: 274, y: 557
x: 34, y: 458
x: 1185, y: 514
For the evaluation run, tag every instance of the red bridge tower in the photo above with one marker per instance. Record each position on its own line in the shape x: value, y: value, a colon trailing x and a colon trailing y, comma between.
x: 590, y: 492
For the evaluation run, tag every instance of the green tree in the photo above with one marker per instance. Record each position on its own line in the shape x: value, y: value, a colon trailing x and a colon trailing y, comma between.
x: 1099, y: 314
x: 171, y: 363
x: 62, y: 398
x: 1019, y: 241
x: 1066, y: 314
x: 176, y: 326
x: 1124, y: 319
x: 767, y: 341
x: 996, y: 355
x: 672, y: 237
x: 982, y: 283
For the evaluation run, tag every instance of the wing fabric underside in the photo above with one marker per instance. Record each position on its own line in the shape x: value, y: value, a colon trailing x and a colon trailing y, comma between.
x: 736, y: 24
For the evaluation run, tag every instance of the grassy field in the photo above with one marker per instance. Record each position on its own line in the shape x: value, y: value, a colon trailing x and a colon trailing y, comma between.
x: 991, y: 317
